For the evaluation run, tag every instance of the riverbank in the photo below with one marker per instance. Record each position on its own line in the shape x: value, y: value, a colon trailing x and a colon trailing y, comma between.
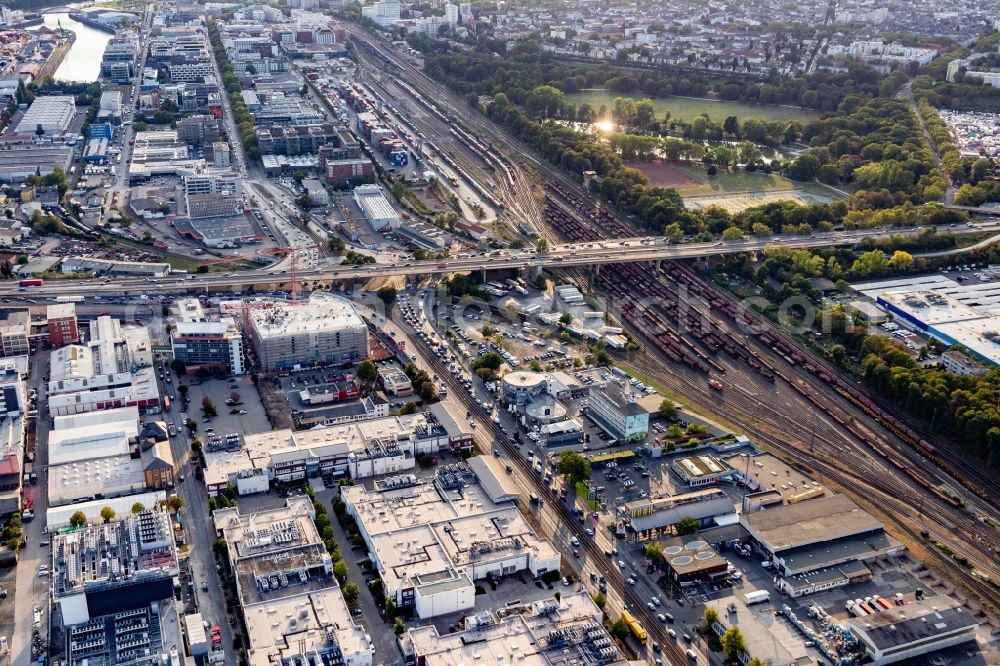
x: 56, y: 57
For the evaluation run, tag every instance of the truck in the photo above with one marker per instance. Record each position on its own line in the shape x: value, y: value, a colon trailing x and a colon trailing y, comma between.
x: 32, y: 282
x: 166, y: 403
x: 757, y: 597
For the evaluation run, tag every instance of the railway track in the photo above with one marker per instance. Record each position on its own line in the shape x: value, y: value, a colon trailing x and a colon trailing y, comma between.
x: 769, y: 355
x: 596, y: 560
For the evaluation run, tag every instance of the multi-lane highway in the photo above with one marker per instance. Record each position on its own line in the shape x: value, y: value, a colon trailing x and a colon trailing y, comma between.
x: 558, y: 256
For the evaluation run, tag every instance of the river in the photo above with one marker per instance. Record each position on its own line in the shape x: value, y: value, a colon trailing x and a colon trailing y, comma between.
x: 83, y: 61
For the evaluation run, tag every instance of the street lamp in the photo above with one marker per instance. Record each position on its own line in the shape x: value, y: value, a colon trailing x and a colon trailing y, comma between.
x: 746, y: 483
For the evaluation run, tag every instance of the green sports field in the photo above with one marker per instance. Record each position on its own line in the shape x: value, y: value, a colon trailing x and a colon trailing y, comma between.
x: 687, y: 108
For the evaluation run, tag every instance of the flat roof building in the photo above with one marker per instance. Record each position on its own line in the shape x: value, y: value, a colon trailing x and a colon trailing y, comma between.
x: 19, y: 162
x: 376, y: 208
x: 615, y: 407
x: 654, y: 517
x: 201, y: 342
x: 700, y: 470
x: 430, y: 540
x: 61, y: 318
x: 324, y: 329
x: 549, y: 632
x: 756, y: 630
x: 692, y: 560
x: 114, y: 567
x: 913, y: 630
x: 48, y: 115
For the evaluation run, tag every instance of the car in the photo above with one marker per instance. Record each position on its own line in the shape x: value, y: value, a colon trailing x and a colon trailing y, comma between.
x: 204, y: 586
x: 631, y: 580
x: 589, y: 532
x: 576, y: 553
x: 649, y: 604
x: 621, y: 564
x: 656, y: 600
x: 575, y: 541
x: 662, y: 618
x: 43, y: 542
x: 565, y: 581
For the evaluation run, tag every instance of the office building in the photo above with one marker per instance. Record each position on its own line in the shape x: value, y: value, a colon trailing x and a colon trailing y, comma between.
x: 14, y: 332
x: 48, y: 115
x: 430, y: 540
x: 221, y: 158
x: 318, y: 196
x: 962, y: 364
x: 293, y: 609
x: 549, y: 632
x: 376, y: 208
x: 360, y: 449
x: 615, y: 407
x: 325, y: 329
x: 63, y: 330
x: 115, y: 567
x: 200, y: 342
x: 700, y: 470
x: 111, y: 105
x: 394, y: 381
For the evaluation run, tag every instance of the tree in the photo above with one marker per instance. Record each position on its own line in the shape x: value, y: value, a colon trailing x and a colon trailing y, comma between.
x: 208, y: 407
x: 542, y: 245
x: 175, y: 502
x: 711, y: 617
x: 191, y: 426
x: 566, y: 318
x: 756, y: 661
x: 667, y: 409
x: 732, y: 234
x: 733, y: 644
x: 398, y: 626
x: 620, y: 629
x: 138, y: 507
x: 351, y: 592
x: 387, y: 295
x: 340, y: 570
x: 178, y: 366
x: 78, y: 519
x: 107, y: 514
x: 573, y: 466
x: 408, y: 408
x: 367, y: 371
x: 600, y: 600
x: 687, y: 525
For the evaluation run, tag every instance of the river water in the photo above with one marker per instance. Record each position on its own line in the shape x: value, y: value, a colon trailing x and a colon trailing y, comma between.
x: 83, y: 61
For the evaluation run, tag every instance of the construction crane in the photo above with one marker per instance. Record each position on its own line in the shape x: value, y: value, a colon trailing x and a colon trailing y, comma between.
x: 293, y: 253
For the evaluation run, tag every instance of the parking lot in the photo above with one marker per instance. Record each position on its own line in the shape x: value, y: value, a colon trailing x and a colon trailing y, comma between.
x: 245, y: 415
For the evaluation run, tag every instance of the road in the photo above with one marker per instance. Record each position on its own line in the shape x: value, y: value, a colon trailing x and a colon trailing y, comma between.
x: 558, y: 256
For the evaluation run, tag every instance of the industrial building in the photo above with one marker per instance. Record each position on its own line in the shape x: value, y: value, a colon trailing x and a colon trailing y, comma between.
x: 756, y: 629
x: 551, y: 632
x: 700, y: 470
x: 113, y: 567
x: 13, y: 407
x: 200, y: 342
x: 324, y: 329
x: 913, y: 630
x: 361, y: 449
x: 48, y: 115
x: 651, y: 518
x: 96, y: 266
x: 19, y: 162
x: 820, y: 543
x: 939, y: 307
x: 376, y: 208
x: 61, y: 318
x: 430, y: 540
x: 692, y: 560
x: 114, y: 369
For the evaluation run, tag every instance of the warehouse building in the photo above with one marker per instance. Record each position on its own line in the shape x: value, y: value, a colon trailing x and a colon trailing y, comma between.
x: 819, y: 544
x: 692, y: 560
x: 655, y: 517
x: 550, y: 632
x: 952, y: 312
x: 756, y: 629
x: 913, y: 630
x: 48, y: 115
x: 430, y: 540
x: 376, y: 208
x: 325, y: 329
x: 19, y: 162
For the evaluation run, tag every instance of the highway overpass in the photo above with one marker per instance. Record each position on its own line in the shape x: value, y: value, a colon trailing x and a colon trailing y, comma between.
x: 594, y: 253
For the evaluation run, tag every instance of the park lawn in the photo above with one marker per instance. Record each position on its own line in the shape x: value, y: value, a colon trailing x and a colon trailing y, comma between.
x: 688, y: 108
x: 732, y: 181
